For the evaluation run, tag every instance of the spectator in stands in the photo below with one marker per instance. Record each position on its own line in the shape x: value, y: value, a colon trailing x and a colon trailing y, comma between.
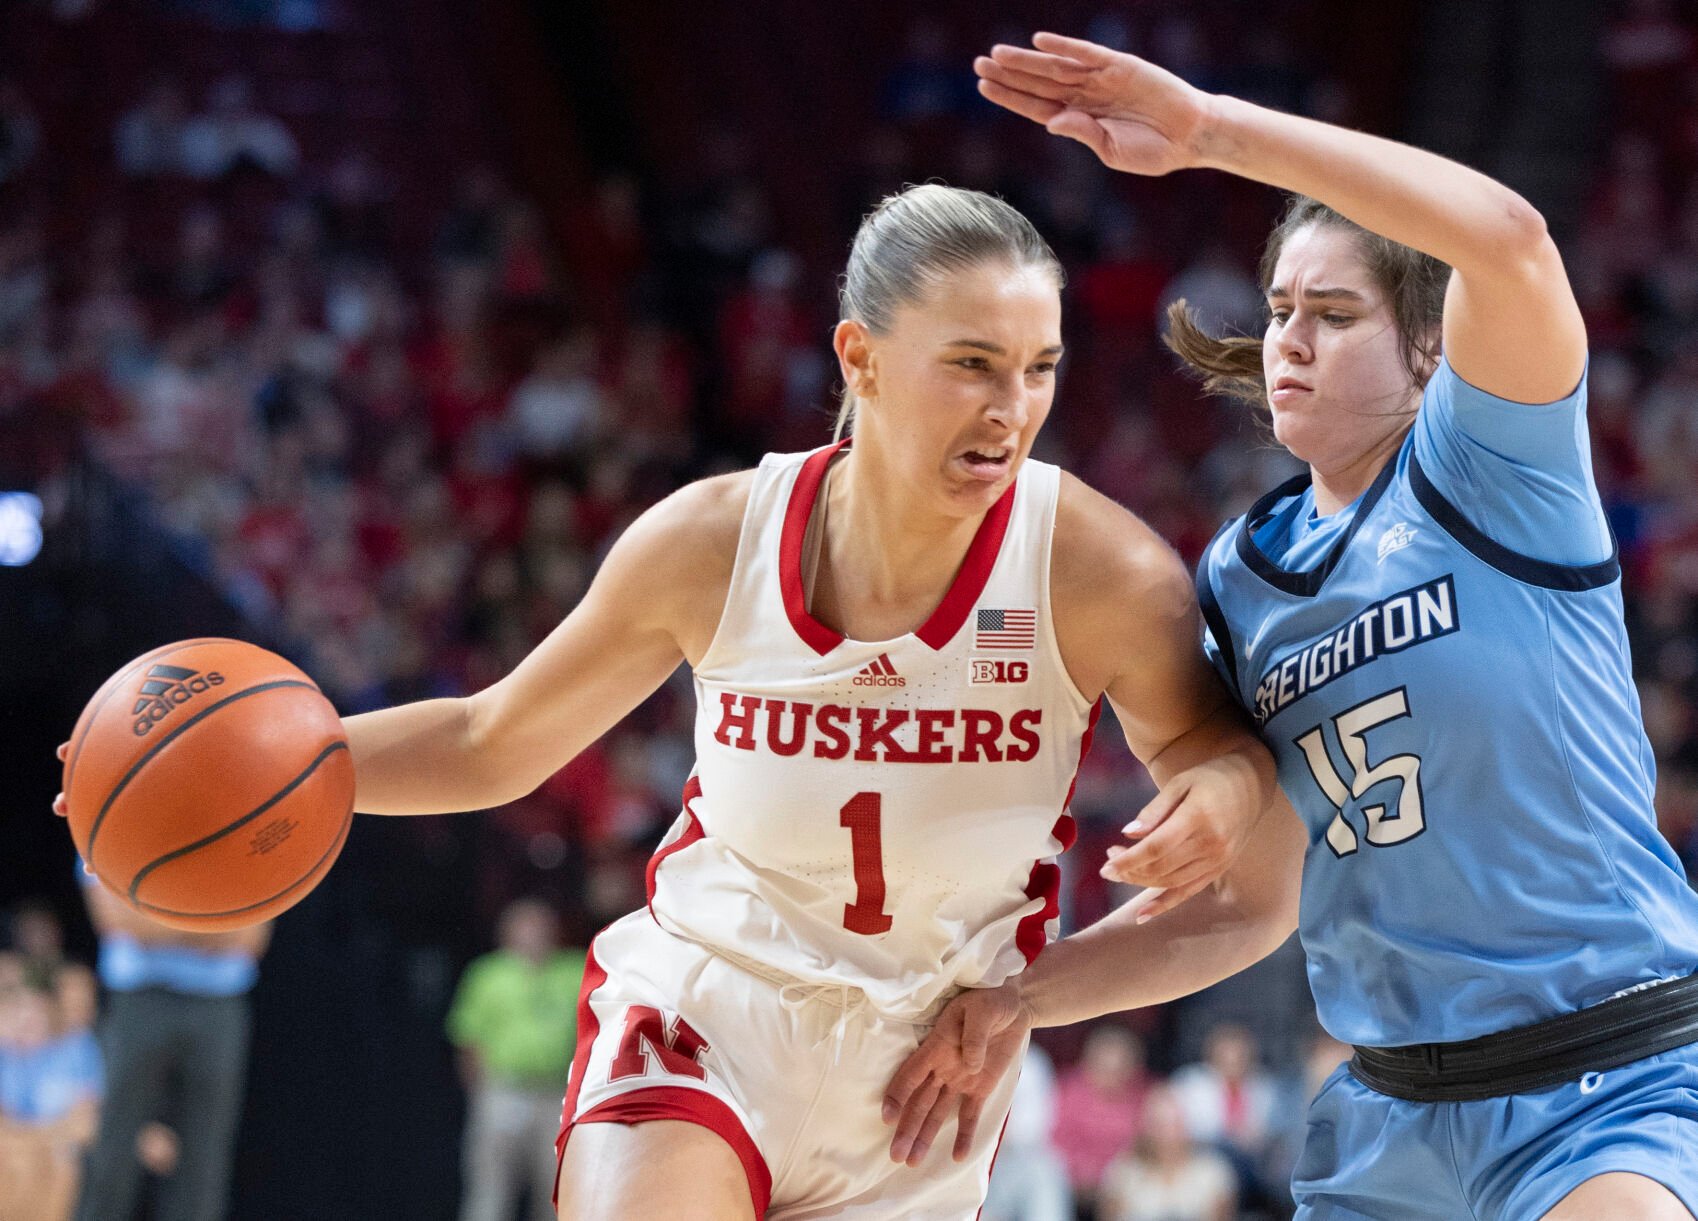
x: 1099, y: 1107
x: 175, y: 1042
x: 1227, y: 1101
x: 149, y: 140
x: 1166, y: 1176
x: 514, y: 1021
x: 50, y: 1086
x: 38, y: 940
x: 558, y: 410
x: 233, y: 133
x: 1029, y: 1179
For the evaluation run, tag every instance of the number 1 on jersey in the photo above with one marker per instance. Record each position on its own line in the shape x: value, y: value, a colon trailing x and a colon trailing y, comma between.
x: 861, y: 815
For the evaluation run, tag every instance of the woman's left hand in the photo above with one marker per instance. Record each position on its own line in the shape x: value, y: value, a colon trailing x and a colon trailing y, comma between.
x: 1135, y: 116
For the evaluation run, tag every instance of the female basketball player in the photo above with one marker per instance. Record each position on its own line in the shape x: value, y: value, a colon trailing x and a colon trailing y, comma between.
x: 898, y: 646
x: 1428, y: 628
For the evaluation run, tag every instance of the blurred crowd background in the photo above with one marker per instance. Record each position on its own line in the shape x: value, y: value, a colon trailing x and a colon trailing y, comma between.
x: 360, y: 328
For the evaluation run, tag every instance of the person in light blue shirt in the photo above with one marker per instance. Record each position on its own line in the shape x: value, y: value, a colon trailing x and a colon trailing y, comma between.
x: 175, y: 1038
x: 1427, y: 628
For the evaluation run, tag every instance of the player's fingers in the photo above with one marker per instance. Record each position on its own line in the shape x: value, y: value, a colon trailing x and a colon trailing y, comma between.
x: 913, y: 1118
x: 1039, y: 110
x: 977, y: 1027
x: 1170, y: 899
x: 1174, y: 869
x: 59, y: 806
x: 1080, y: 126
x: 1156, y: 810
x: 930, y: 1125
x: 1147, y: 862
x: 1024, y: 82
x: 1077, y: 49
x: 913, y: 1074
x: 64, y: 749
x: 966, y: 1125
x: 1039, y: 63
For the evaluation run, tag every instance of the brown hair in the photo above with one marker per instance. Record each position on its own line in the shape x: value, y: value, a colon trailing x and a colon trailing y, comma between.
x: 1413, y: 282
x: 914, y: 238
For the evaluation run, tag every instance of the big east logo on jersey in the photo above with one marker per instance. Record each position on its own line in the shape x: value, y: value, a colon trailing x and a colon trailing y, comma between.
x: 167, y: 687
x: 995, y: 670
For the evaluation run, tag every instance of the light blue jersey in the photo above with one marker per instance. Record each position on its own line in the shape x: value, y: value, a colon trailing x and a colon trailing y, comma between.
x: 1442, y: 673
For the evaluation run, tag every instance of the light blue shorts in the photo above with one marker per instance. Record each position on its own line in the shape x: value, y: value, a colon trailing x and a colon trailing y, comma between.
x: 1369, y: 1156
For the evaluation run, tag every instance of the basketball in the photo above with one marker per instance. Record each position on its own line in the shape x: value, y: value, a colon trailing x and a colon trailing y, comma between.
x: 209, y: 784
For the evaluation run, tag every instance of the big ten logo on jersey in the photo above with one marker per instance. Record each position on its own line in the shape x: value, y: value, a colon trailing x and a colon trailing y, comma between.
x: 996, y: 670
x: 651, y: 1042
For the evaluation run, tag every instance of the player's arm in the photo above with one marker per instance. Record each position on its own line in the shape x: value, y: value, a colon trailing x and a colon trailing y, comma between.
x: 1511, y: 324
x: 1121, y: 962
x: 654, y: 602
x: 1127, y: 620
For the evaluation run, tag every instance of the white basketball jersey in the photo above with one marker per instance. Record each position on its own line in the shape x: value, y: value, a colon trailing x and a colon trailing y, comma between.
x: 879, y: 814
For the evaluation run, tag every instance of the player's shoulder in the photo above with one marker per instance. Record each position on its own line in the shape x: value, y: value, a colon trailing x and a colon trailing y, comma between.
x: 695, y: 529
x: 1105, y: 557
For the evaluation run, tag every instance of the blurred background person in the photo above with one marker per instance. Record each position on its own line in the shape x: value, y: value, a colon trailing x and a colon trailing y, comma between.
x: 1099, y: 1106
x: 1227, y: 1100
x: 515, y: 1022
x: 174, y: 1036
x: 50, y: 1088
x: 1028, y: 1179
x: 1166, y: 1175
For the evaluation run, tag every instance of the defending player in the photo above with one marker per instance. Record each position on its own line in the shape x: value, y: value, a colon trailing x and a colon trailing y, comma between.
x: 1428, y: 628
x: 899, y: 646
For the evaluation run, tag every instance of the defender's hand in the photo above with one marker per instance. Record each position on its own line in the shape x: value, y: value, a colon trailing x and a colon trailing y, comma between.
x: 1188, y: 835
x: 956, y: 1068
x: 1133, y: 115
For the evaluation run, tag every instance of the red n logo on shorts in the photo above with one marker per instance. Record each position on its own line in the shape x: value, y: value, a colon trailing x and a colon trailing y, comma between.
x: 678, y: 1047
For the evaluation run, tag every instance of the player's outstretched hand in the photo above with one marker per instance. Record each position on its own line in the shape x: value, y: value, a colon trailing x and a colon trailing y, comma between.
x: 1135, y: 116
x: 59, y: 806
x: 973, y: 1047
x: 1188, y: 835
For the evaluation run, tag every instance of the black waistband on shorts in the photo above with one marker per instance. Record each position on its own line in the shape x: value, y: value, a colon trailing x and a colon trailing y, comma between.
x: 1607, y: 1035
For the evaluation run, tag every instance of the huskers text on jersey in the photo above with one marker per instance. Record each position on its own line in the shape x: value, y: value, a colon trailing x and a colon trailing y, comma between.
x: 879, y: 735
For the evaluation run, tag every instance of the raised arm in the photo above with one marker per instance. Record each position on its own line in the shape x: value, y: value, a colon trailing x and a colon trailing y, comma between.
x: 1511, y: 325
x: 654, y: 603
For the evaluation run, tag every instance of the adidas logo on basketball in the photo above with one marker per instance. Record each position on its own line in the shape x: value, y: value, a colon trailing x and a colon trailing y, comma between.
x: 166, y: 688
x: 879, y: 673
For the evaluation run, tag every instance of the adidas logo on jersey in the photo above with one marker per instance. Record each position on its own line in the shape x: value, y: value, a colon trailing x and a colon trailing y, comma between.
x: 1395, y: 539
x: 879, y: 673
x: 167, y: 687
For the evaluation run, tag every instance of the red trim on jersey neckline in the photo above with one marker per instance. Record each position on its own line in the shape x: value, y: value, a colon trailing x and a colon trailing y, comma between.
x: 692, y: 832
x: 1031, y: 935
x: 958, y: 601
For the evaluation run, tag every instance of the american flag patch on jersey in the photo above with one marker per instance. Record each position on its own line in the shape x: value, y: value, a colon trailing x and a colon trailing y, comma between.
x: 1006, y: 629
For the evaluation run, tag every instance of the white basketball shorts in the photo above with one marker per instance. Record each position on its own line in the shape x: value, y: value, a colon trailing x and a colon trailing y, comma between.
x: 792, y: 1077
